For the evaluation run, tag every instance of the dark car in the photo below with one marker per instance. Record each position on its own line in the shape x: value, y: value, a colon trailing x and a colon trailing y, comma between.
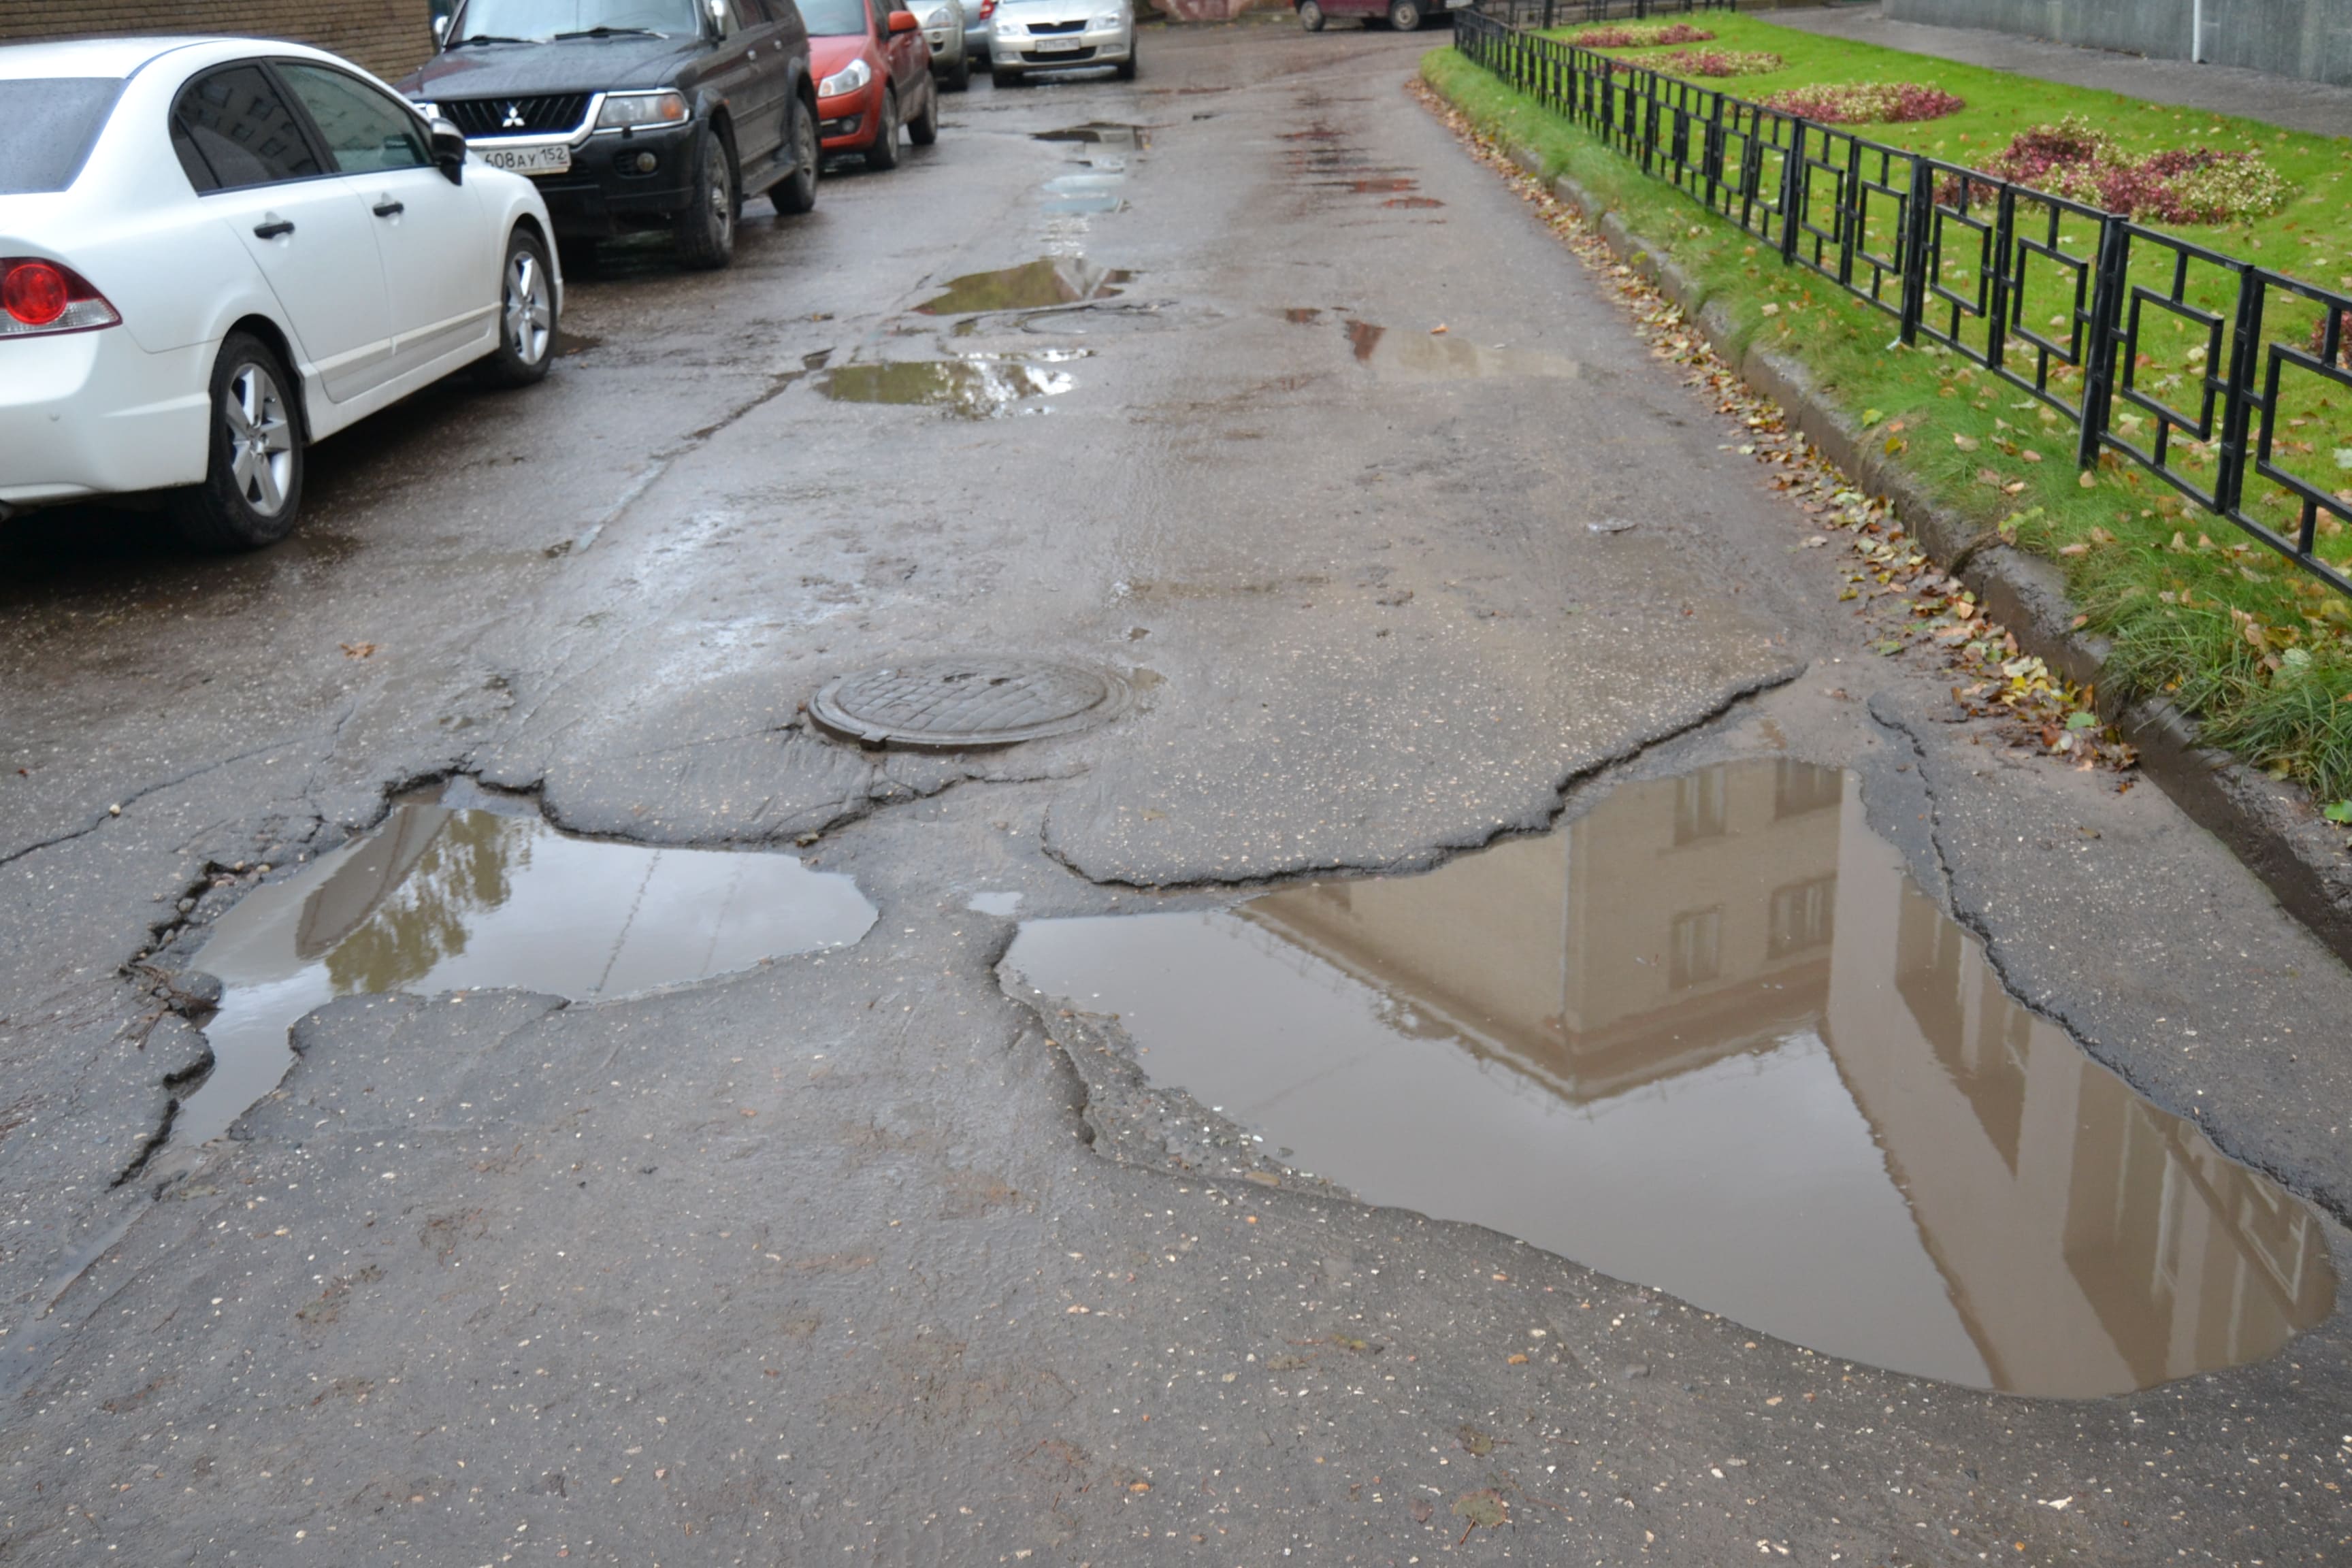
x: 636, y: 114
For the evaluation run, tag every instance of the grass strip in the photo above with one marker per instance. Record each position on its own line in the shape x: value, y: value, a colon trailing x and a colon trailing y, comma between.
x: 2257, y: 651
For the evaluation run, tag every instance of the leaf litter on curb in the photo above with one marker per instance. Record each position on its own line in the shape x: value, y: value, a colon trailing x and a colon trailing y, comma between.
x: 1907, y: 605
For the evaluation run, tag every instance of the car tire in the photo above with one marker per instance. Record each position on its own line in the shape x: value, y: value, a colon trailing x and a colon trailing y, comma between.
x: 796, y: 192
x: 1310, y: 15
x: 1125, y: 69
x: 252, y: 491
x: 526, y: 316
x: 960, y: 78
x: 924, y: 129
x: 1004, y: 78
x: 705, y: 231
x: 883, y: 153
x: 1404, y: 15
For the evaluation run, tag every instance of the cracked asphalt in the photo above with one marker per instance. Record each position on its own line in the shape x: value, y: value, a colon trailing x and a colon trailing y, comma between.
x: 823, y: 1262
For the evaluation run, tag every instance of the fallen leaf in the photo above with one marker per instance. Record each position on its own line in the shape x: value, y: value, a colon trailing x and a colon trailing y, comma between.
x: 2087, y: 479
x: 1485, y: 1507
x: 357, y: 649
x: 1965, y: 443
x: 1437, y: 330
x: 1138, y: 1485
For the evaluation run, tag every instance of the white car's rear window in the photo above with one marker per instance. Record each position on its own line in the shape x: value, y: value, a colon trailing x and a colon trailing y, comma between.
x: 48, y: 125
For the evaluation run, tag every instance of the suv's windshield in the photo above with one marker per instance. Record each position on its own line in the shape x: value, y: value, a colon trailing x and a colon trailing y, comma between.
x: 536, y: 20
x: 835, y: 18
x: 47, y: 127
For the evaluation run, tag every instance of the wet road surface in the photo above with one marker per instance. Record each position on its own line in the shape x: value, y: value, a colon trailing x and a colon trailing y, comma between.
x: 865, y: 1253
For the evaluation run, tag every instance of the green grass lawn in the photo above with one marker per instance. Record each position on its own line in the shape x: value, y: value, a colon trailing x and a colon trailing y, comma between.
x: 2254, y: 647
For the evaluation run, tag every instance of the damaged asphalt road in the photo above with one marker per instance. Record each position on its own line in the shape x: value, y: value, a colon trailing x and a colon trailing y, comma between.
x: 860, y: 1255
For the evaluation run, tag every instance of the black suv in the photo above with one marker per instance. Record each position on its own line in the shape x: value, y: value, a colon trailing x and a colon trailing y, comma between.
x: 636, y: 114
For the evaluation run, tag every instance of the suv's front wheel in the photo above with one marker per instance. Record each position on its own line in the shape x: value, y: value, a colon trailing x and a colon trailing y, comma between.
x: 705, y: 231
x: 796, y: 192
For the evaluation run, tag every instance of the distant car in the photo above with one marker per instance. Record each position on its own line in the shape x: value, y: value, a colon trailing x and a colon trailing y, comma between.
x: 1029, y: 36
x: 1404, y: 15
x: 873, y: 76
x: 636, y: 114
x: 944, y: 30
x: 979, y: 22
x: 213, y: 251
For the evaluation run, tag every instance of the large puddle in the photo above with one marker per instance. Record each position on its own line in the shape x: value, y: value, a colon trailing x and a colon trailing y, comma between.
x: 1035, y: 285
x: 1711, y: 1038
x: 972, y: 387
x: 439, y: 898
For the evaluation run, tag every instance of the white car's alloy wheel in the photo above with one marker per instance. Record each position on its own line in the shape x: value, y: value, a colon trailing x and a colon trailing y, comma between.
x: 530, y: 307
x: 260, y: 439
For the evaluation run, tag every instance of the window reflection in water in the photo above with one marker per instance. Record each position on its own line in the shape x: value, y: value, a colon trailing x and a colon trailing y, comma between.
x: 1709, y: 1037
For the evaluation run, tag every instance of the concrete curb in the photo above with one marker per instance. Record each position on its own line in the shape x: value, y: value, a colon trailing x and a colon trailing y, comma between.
x: 2274, y: 827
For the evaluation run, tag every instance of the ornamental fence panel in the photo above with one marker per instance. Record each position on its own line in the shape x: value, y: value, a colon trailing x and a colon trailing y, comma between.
x: 2062, y: 301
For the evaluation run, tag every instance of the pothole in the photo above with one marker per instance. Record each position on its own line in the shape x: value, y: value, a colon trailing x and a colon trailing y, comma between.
x: 1048, y: 280
x: 957, y: 704
x: 1091, y: 192
x: 970, y: 387
x: 1711, y: 1038
x: 1100, y: 133
x: 438, y: 899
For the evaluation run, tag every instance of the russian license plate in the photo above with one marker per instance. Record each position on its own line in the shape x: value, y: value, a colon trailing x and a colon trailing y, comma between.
x: 556, y: 160
x: 1056, y: 46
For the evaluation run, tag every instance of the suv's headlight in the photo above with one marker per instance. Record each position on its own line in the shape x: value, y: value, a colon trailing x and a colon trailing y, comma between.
x: 642, y: 108
x: 848, y: 79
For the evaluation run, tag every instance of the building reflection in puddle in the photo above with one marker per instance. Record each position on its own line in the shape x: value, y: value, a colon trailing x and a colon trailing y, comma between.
x: 1711, y: 1038
x: 445, y: 899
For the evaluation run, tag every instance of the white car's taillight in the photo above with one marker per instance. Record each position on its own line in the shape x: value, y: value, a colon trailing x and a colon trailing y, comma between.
x: 38, y: 296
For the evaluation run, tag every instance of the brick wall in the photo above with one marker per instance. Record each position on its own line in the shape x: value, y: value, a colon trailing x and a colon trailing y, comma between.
x: 389, y: 37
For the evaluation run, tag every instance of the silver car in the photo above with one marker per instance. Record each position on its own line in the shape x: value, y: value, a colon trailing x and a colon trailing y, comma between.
x: 1029, y: 36
x: 979, y: 22
x: 948, y: 29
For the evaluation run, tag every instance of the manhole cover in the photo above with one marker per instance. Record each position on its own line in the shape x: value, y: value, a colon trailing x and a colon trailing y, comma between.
x: 954, y: 703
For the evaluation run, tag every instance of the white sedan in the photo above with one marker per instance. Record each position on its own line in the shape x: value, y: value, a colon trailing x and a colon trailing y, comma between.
x: 213, y: 251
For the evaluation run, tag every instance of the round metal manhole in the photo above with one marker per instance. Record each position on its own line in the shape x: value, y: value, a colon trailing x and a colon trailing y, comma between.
x: 954, y: 704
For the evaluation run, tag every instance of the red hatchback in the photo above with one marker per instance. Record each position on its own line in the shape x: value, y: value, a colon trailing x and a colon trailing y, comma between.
x: 873, y: 73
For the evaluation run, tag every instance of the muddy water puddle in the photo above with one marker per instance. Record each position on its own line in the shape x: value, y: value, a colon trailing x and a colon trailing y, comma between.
x: 972, y: 386
x: 1035, y: 285
x: 1711, y: 1038
x: 439, y: 898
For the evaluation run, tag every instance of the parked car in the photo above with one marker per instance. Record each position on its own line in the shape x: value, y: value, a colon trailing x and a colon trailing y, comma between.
x: 873, y: 76
x: 944, y: 30
x: 1030, y: 35
x: 636, y: 114
x: 214, y: 251
x: 1404, y: 15
x: 979, y: 22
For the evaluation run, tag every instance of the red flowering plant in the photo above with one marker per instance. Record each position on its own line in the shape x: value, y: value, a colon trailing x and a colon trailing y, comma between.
x: 1640, y: 37
x: 2180, y: 185
x: 1866, y: 103
x: 1716, y: 62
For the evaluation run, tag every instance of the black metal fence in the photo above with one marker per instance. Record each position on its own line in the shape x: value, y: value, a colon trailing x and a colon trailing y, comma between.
x: 2226, y: 380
